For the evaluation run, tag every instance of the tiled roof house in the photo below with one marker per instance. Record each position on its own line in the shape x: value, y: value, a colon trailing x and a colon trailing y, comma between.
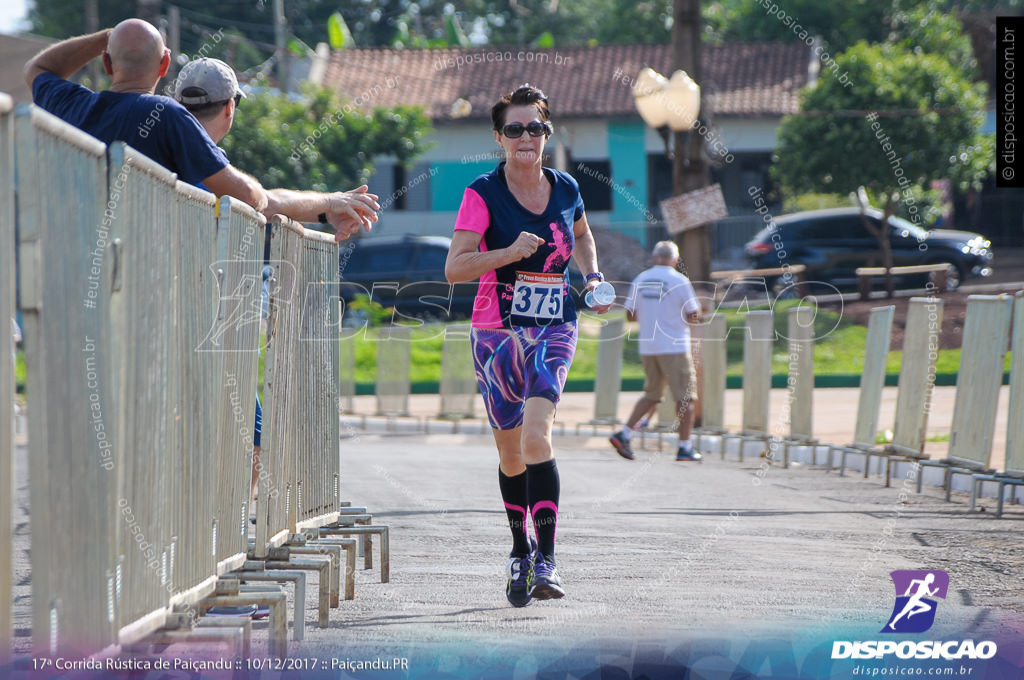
x: 747, y: 89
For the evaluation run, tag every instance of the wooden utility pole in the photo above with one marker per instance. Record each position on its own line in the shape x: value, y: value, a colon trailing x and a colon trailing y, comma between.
x: 281, y: 45
x: 689, y: 170
x: 92, y: 25
x: 148, y: 10
x: 173, y: 39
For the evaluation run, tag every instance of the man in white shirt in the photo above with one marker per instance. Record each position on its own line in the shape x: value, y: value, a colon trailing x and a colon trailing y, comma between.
x: 663, y: 301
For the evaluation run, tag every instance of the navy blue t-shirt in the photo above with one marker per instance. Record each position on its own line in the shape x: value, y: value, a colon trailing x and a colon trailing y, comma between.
x: 533, y: 291
x: 154, y: 125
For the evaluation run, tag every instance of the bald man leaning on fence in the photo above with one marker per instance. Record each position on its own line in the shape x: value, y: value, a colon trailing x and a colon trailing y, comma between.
x: 662, y: 300
x: 136, y: 59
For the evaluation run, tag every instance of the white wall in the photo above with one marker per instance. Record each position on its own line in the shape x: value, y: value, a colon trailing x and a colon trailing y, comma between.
x: 737, y: 134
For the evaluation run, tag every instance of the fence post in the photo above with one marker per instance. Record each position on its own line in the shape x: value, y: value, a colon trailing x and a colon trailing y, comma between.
x: 458, y: 375
x: 234, y: 329
x: 6, y: 371
x: 393, y: 355
x: 608, y: 383
x: 66, y: 253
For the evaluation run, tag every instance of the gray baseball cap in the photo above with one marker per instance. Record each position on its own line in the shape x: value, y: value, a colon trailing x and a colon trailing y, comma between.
x: 205, y: 81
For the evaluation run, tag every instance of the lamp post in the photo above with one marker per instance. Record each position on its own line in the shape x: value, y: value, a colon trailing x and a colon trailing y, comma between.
x: 672, y: 106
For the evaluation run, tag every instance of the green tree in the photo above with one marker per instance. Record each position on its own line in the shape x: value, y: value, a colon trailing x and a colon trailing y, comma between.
x: 905, y: 119
x: 840, y: 24
x: 926, y: 31
x: 387, y: 22
x: 320, y: 142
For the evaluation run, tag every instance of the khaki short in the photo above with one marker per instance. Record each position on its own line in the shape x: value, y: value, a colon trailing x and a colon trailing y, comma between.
x: 676, y: 369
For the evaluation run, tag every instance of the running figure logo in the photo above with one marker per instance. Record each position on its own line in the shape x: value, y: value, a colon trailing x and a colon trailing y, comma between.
x: 914, y: 612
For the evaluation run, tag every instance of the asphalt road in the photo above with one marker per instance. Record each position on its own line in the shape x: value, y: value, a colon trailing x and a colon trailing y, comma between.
x: 653, y: 554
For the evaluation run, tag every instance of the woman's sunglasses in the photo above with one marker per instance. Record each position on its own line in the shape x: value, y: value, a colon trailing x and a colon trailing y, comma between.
x: 536, y: 129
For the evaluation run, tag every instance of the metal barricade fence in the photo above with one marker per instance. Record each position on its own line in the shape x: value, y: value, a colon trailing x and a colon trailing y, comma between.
x: 458, y: 375
x: 978, y: 382
x: 801, y: 372
x: 1014, y: 461
x: 6, y: 370
x: 869, y: 396
x: 347, y: 373
x: 758, y: 340
x: 300, y: 427
x: 712, y: 346
x: 154, y: 377
x: 316, y: 475
x: 916, y: 383
x: 757, y: 371
x: 68, y: 258
x: 234, y: 335
x: 917, y: 375
x: 1012, y: 474
x: 393, y: 382
x: 608, y: 383
x: 872, y: 377
x: 192, y: 500
x: 986, y: 335
x: 142, y: 330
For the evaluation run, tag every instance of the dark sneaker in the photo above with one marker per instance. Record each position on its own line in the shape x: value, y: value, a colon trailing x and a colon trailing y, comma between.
x: 621, y: 445
x: 520, y: 578
x: 688, y: 454
x: 242, y: 610
x: 546, y: 583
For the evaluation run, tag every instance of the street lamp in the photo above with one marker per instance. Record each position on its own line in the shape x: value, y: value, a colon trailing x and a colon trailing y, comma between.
x: 673, y: 105
x: 667, y: 103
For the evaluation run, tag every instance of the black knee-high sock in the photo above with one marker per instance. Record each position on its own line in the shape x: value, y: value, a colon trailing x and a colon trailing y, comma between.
x: 513, y: 492
x: 542, y: 488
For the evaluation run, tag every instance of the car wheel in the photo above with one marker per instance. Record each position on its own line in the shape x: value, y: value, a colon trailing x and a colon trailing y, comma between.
x: 954, y: 277
x: 784, y: 290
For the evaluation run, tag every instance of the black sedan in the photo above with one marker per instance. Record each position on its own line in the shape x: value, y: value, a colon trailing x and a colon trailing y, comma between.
x: 832, y: 244
x: 407, y: 273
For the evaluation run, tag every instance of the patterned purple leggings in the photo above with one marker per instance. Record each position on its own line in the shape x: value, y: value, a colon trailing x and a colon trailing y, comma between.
x: 514, y: 364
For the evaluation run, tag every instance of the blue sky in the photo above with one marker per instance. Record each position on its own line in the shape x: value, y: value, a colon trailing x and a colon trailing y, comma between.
x: 12, y: 14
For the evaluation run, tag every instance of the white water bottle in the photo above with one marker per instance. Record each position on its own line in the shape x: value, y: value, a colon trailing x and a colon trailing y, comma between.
x: 603, y: 294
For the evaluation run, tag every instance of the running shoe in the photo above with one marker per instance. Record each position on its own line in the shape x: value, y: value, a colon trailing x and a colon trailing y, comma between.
x: 688, y: 454
x: 621, y: 445
x: 241, y: 610
x: 520, y: 577
x: 546, y: 583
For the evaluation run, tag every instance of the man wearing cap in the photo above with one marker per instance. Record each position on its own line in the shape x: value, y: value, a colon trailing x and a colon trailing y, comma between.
x: 135, y: 57
x: 662, y: 300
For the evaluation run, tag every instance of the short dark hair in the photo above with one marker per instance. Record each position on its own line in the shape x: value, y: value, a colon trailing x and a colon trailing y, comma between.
x: 524, y: 95
x: 208, y: 110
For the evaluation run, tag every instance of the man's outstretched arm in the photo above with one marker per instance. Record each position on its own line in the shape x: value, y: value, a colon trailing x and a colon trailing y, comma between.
x: 346, y: 211
x: 232, y: 182
x: 66, y: 57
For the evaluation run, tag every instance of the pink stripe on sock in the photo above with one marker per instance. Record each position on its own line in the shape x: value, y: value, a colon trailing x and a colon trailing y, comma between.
x: 541, y: 506
x: 520, y: 509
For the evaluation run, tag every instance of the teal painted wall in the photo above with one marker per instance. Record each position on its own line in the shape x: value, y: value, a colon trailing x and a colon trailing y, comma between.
x: 451, y: 180
x: 629, y: 174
